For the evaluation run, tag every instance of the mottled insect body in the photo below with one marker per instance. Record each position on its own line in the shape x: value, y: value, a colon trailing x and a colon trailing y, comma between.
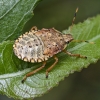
x: 39, y: 45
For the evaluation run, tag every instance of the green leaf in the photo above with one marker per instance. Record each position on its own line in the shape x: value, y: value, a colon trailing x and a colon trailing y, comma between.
x: 13, y: 16
x: 12, y: 69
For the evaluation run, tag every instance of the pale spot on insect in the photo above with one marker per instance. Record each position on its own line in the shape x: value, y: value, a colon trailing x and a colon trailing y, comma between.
x: 25, y: 59
x: 54, y: 43
x: 19, y: 56
x: 32, y: 60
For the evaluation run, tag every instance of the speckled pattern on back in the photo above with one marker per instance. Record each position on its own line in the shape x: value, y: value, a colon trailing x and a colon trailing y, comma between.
x: 39, y: 45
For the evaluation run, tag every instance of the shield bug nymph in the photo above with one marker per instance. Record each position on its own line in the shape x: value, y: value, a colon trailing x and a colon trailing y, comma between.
x: 40, y: 45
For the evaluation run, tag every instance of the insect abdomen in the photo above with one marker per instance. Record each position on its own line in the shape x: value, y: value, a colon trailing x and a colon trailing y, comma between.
x: 29, y: 48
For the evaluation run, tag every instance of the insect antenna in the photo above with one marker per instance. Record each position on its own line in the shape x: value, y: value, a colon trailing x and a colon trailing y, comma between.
x: 73, y: 19
x: 72, y: 26
x: 74, y: 16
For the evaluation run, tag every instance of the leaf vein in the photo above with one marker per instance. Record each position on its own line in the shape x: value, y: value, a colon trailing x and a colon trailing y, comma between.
x: 9, y: 9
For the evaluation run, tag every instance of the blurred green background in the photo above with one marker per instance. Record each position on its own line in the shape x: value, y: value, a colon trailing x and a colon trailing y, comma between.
x: 84, y: 85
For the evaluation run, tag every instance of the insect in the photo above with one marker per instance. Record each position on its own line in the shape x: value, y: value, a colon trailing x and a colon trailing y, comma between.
x: 40, y: 45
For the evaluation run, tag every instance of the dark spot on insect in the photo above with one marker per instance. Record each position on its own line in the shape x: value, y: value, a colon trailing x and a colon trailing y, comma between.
x: 48, y: 44
x: 48, y: 29
x: 40, y: 43
x: 30, y: 46
x: 22, y: 47
x: 26, y: 52
x: 56, y: 45
x: 44, y: 54
x: 59, y: 35
x: 58, y: 48
x: 36, y: 44
x: 49, y: 47
x: 34, y: 40
x: 49, y: 56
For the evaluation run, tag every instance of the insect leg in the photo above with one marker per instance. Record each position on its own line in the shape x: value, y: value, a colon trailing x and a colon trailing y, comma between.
x: 50, y: 68
x: 33, y: 72
x: 76, y: 55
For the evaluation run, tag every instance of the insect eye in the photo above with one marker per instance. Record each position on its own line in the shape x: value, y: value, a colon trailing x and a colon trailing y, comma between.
x: 67, y: 42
